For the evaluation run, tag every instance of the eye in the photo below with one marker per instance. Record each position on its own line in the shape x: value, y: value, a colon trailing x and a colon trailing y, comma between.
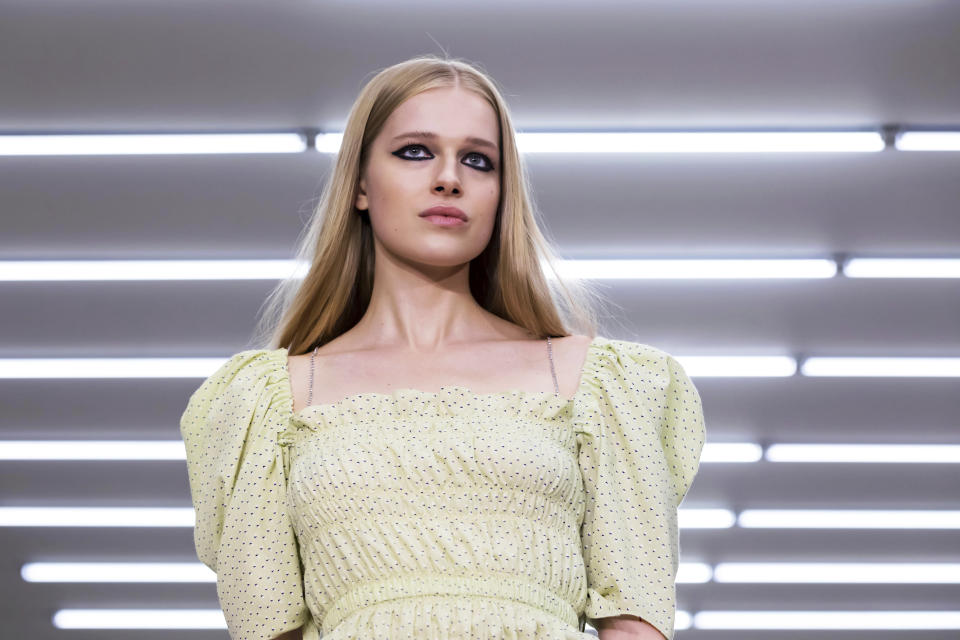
x: 402, y: 152
x: 487, y: 165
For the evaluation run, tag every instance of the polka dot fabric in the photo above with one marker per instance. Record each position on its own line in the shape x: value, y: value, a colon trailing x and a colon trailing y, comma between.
x: 444, y: 514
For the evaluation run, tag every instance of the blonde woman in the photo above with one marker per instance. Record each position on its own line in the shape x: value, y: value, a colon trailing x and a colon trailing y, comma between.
x: 423, y: 449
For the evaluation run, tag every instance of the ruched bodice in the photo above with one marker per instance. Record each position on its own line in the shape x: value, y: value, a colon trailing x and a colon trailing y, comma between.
x: 444, y: 514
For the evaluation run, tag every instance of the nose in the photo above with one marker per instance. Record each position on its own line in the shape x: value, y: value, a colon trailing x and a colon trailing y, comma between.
x: 448, y: 180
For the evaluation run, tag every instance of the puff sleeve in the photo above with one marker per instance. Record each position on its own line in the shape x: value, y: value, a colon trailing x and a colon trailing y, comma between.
x: 237, y: 486
x: 639, y: 451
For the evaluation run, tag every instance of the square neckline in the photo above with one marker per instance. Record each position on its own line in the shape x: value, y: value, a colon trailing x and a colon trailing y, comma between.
x: 422, y: 393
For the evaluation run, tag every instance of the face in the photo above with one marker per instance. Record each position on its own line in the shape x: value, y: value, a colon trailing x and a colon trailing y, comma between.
x: 405, y: 175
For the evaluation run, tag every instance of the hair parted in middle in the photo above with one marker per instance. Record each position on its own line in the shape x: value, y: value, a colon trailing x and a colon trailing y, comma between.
x: 337, y: 245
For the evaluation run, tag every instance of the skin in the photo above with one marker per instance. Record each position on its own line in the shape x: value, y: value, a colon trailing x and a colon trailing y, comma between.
x: 423, y: 324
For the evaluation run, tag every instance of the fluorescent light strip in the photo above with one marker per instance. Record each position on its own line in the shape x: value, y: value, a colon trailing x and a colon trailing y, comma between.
x: 928, y: 141
x: 679, y: 142
x: 134, y: 367
x: 687, y: 518
x: 698, y: 269
x: 701, y: 142
x: 898, y: 268
x: 937, y: 367
x: 614, y: 269
x: 713, y: 452
x: 97, y: 517
x: 848, y: 519
x: 150, y: 144
x: 86, y: 270
x: 175, y: 572
x: 688, y: 572
x: 712, y: 619
x: 854, y: 620
x: 126, y: 450
x: 157, y: 572
x: 690, y: 518
x: 865, y: 453
x: 101, y: 270
x: 98, y: 450
x: 181, y: 619
x: 117, y: 572
x: 532, y: 142
x: 139, y: 619
x: 737, y: 366
x: 120, y: 368
x: 839, y: 572
x: 695, y: 366
x: 184, y: 517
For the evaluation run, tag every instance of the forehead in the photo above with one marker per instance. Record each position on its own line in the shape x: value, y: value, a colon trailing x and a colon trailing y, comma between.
x: 451, y: 113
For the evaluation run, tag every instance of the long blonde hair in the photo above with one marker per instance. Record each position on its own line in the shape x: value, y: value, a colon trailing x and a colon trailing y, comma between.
x: 506, y: 279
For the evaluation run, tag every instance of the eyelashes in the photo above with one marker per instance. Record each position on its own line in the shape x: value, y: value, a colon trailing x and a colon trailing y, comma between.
x: 400, y: 153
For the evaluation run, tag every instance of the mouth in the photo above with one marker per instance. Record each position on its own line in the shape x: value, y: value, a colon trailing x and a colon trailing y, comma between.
x: 445, y: 211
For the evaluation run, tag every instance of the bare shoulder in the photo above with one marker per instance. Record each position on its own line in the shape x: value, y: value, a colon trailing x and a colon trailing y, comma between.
x: 576, y: 343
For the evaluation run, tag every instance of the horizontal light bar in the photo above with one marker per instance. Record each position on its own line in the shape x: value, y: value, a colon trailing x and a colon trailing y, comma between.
x: 678, y: 142
x: 701, y: 142
x: 848, y: 519
x: 862, y: 453
x: 928, y: 141
x: 711, y: 619
x: 87, y: 368
x: 184, y: 517
x: 182, y: 619
x: 139, y: 619
x: 97, y: 517
x: 695, y: 366
x: 150, y: 144
x: 98, y: 450
x: 737, y: 366
x: 134, y: 367
x: 687, y: 518
x: 712, y: 452
x: 117, y: 572
x: 123, y: 450
x: 682, y: 269
x: 689, y: 572
x: 839, y: 572
x: 86, y: 270
x: 167, y: 572
x: 694, y: 573
x: 902, y: 268
x: 328, y: 142
x: 614, y: 269
x: 877, y: 366
x: 532, y: 142
x: 830, y: 619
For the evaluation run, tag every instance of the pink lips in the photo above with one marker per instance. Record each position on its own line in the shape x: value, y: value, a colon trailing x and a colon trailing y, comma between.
x: 444, y: 210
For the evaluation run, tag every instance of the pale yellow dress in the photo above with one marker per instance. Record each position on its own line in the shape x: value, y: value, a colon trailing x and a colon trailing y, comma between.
x: 444, y: 514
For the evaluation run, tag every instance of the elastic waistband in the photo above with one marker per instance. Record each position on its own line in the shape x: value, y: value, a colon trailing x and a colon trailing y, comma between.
x: 491, y: 586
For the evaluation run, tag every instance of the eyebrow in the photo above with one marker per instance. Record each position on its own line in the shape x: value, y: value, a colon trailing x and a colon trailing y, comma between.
x: 429, y: 135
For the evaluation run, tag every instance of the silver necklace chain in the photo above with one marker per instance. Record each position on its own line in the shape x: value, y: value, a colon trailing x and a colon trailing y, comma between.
x: 553, y: 371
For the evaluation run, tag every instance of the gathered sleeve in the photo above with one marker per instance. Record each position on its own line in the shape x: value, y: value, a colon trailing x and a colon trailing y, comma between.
x: 641, y: 434
x: 237, y: 482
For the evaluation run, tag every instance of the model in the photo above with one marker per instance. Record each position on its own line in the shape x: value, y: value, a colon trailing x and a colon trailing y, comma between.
x: 423, y: 449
